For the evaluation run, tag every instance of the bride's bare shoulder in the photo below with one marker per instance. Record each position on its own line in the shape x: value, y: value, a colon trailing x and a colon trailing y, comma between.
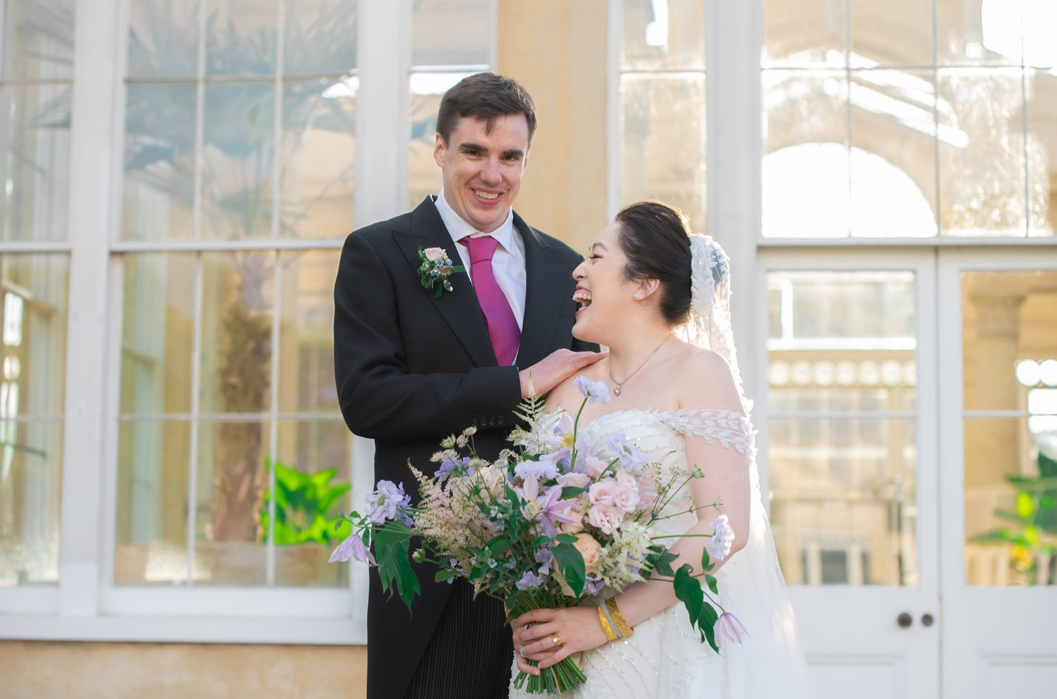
x: 706, y: 382
x: 566, y: 395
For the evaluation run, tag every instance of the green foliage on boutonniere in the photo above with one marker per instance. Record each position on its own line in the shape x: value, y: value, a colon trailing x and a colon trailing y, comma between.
x: 435, y: 270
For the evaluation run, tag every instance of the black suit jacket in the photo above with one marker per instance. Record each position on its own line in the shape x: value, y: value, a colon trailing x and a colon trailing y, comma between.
x: 411, y: 369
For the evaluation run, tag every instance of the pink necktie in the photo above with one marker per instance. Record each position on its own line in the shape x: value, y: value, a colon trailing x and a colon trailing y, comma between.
x: 502, y: 325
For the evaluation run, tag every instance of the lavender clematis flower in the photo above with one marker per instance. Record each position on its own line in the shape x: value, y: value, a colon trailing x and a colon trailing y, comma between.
x: 529, y: 579
x: 728, y: 628
x: 594, y: 391
x: 722, y: 538
x: 384, y: 504
x: 547, y: 509
x: 353, y: 547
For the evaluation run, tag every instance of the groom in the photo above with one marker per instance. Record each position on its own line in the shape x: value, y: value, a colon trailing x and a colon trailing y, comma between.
x: 412, y: 368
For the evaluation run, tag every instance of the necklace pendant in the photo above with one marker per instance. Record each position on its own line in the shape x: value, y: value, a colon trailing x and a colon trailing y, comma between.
x: 616, y: 391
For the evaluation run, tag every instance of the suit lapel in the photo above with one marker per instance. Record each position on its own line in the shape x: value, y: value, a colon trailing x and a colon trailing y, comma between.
x: 459, y: 308
x: 545, y: 287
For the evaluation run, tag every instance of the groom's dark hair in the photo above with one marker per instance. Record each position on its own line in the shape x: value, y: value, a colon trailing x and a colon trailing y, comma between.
x: 655, y: 237
x: 485, y: 97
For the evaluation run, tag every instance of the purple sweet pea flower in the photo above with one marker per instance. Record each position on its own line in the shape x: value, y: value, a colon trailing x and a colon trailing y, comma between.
x: 529, y: 579
x: 447, y: 466
x: 593, y: 585
x: 384, y: 504
x: 728, y: 628
x: 722, y: 538
x: 544, y: 556
x: 631, y: 457
x: 594, y: 391
x: 546, y: 468
x: 353, y: 547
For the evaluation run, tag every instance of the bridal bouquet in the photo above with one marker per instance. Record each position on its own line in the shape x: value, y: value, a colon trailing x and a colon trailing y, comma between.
x: 544, y: 526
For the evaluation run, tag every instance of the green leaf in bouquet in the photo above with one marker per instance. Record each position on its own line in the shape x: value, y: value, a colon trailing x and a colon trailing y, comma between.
x: 565, y: 539
x: 541, y: 541
x: 712, y: 584
x: 707, y: 624
x: 688, y: 591
x: 497, y: 545
x: 706, y: 562
x: 391, y: 545
x: 571, y: 564
x: 444, y: 575
x: 571, y: 492
x: 660, y: 561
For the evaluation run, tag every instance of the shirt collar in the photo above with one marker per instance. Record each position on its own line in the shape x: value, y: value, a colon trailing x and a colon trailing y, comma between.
x: 459, y: 229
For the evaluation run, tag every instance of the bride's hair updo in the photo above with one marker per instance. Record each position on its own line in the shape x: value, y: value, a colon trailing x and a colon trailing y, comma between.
x: 655, y: 237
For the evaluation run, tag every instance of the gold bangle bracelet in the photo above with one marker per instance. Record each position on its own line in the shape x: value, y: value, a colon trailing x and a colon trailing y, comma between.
x: 622, y: 625
x: 610, y: 636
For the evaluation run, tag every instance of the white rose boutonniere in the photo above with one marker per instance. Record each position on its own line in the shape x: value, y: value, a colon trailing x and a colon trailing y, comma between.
x: 435, y: 269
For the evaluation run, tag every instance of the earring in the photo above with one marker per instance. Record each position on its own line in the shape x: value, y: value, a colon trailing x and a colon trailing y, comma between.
x: 636, y: 297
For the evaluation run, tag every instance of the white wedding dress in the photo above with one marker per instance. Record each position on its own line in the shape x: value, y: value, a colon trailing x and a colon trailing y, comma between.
x: 665, y: 657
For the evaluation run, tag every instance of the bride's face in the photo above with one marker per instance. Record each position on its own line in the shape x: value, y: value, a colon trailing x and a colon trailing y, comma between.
x: 604, y: 293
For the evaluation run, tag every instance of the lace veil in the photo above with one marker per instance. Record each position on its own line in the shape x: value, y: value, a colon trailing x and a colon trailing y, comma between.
x: 775, y: 665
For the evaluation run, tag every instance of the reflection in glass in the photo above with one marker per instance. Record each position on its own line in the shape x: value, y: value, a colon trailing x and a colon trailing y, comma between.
x: 318, y: 159
x: 1006, y: 317
x: 237, y: 316
x: 321, y: 36
x: 844, y: 489
x: 35, y: 133
x: 424, y: 177
x: 982, y: 174
x: 806, y: 158
x: 663, y: 34
x: 159, y: 162
x: 873, y: 25
x: 1040, y: 17
x: 157, y: 333
x: 163, y: 38
x: 152, y: 482
x: 451, y: 32
x: 241, y: 37
x: 1011, y: 500
x: 804, y: 35
x: 38, y: 39
x: 30, y: 498
x: 313, y: 471
x: 1042, y: 150
x: 306, y: 339
x: 237, y: 160
x: 663, y: 124
x: 232, y: 475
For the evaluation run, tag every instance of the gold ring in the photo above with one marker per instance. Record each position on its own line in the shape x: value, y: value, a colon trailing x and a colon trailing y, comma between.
x: 556, y: 639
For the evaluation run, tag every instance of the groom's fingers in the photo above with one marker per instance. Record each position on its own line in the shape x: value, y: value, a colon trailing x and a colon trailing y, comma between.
x: 556, y: 367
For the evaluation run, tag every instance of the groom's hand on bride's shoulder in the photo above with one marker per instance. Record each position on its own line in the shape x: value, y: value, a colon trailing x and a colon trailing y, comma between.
x: 556, y: 367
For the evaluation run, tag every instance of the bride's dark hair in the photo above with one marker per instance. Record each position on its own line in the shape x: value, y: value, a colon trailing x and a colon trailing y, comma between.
x: 655, y: 237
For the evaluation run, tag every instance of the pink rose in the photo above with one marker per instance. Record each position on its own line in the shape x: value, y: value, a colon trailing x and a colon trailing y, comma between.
x: 604, y: 518
x: 594, y: 466
x: 574, y: 480
x: 603, y: 492
x: 626, y: 496
x: 434, y: 254
x: 588, y: 548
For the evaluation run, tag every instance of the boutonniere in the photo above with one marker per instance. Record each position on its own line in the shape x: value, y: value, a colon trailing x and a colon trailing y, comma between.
x: 435, y: 270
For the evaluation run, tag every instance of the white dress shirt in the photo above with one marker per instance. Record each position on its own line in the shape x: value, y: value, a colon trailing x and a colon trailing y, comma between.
x: 508, y: 263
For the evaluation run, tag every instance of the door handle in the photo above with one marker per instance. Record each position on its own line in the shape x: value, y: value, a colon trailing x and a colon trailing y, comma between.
x: 904, y: 620
x: 926, y: 619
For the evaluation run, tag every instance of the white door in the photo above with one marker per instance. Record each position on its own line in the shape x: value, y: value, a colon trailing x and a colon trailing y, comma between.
x: 849, y: 451
x: 998, y: 449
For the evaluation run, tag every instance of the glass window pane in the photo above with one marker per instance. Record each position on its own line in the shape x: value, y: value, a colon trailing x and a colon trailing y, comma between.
x: 982, y: 176
x: 843, y: 500
x: 163, y: 38
x: 873, y: 24
x: 229, y: 544
x: 451, y: 32
x: 157, y: 333
x: 660, y: 34
x: 34, y: 317
x: 806, y: 164
x: 313, y: 472
x: 38, y: 39
x: 804, y: 34
x: 306, y: 334
x: 1040, y: 17
x: 424, y: 177
x: 237, y: 316
x: 159, y: 162
x: 152, y: 483
x: 35, y: 128
x: 1008, y: 320
x: 30, y: 499
x: 241, y: 37
x: 1011, y: 501
x: 979, y: 32
x: 318, y: 159
x: 321, y: 36
x: 663, y: 123
x: 237, y: 160
x: 893, y: 156
x: 1042, y: 151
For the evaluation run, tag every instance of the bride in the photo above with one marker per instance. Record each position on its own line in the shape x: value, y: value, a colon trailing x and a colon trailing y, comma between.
x: 658, y: 297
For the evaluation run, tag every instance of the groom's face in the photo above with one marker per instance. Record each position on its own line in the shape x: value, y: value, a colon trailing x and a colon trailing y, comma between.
x: 482, y: 170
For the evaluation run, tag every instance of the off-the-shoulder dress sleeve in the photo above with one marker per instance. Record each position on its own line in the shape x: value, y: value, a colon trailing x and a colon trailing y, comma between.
x: 723, y: 427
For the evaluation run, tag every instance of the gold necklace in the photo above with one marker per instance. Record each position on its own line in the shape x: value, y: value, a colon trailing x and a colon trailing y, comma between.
x: 616, y: 391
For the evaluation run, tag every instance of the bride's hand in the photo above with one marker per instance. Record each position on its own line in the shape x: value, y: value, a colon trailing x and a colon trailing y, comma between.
x: 577, y: 629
